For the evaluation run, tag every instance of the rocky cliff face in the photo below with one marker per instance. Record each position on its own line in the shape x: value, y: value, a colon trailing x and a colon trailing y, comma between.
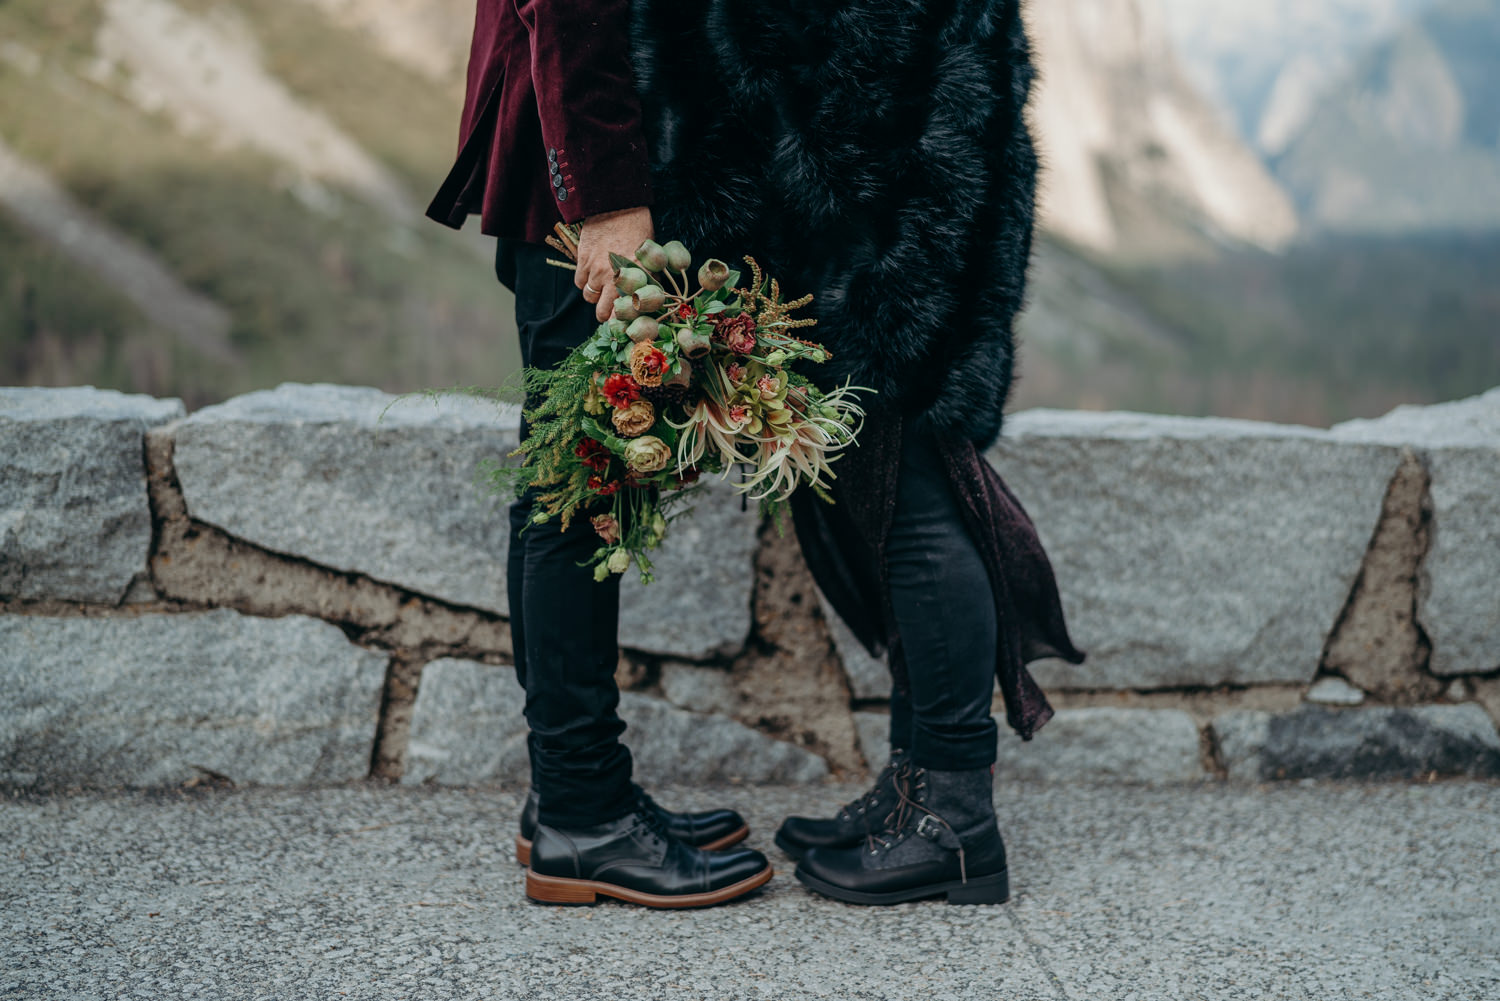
x: 1127, y: 139
x: 1410, y: 140
x: 1377, y: 116
x: 1268, y: 64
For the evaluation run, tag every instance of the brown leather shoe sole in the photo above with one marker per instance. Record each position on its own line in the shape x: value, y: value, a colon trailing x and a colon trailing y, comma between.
x: 523, y: 846
x: 559, y: 890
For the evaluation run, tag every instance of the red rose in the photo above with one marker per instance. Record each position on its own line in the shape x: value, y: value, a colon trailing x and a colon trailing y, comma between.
x: 593, y: 453
x: 687, y: 312
x: 597, y: 485
x: 621, y: 390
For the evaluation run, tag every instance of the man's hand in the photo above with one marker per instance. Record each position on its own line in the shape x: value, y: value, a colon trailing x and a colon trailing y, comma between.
x: 622, y: 232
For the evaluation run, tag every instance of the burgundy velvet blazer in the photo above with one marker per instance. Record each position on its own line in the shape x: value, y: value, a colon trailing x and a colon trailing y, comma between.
x: 551, y: 127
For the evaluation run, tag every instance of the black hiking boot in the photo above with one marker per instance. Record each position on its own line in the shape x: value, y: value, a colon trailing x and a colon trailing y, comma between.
x: 854, y: 820
x: 943, y: 840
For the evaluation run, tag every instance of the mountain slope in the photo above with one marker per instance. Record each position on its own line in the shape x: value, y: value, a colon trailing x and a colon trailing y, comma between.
x: 113, y: 258
x: 1135, y: 159
x: 1411, y: 141
x: 206, y: 73
x: 317, y: 256
x: 1267, y: 64
x: 316, y: 250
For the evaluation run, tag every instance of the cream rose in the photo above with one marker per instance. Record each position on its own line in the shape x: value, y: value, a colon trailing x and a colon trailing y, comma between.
x: 647, y: 455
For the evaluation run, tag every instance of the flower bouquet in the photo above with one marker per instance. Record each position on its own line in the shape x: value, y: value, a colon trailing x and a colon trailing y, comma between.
x: 690, y: 375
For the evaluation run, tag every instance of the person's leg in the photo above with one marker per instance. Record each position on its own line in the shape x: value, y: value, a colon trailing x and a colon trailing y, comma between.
x: 520, y: 510
x: 900, y: 733
x: 520, y: 514
x: 541, y: 346
x: 942, y: 837
x: 593, y: 831
x: 563, y: 622
x: 945, y: 615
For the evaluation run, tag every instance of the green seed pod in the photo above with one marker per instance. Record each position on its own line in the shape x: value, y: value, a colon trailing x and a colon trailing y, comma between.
x: 643, y: 328
x: 625, y: 308
x: 652, y: 257
x: 678, y: 258
x: 684, y: 375
x: 692, y: 344
x: 630, y: 279
x: 713, y: 274
x: 650, y: 298
x: 776, y: 357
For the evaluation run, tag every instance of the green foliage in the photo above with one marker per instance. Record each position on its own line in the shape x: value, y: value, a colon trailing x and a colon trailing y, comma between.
x: 58, y: 326
x: 1332, y: 330
x: 1415, y: 317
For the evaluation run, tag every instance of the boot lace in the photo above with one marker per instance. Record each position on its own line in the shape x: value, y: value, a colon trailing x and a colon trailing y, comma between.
x: 909, y: 815
x: 871, y: 799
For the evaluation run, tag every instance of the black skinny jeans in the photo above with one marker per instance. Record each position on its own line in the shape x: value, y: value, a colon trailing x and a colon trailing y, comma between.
x: 945, y: 614
x: 564, y: 625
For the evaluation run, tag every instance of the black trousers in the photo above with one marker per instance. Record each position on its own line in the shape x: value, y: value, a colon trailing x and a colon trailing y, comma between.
x: 564, y: 626
x: 945, y: 614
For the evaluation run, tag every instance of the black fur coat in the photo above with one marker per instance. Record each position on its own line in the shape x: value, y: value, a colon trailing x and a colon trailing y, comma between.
x: 873, y: 153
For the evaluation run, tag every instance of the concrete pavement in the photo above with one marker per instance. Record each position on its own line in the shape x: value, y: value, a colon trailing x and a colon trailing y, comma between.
x: 1315, y: 891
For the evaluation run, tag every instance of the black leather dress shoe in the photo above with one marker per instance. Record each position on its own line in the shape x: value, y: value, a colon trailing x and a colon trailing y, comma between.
x: 710, y: 830
x: 634, y: 859
x: 853, y: 822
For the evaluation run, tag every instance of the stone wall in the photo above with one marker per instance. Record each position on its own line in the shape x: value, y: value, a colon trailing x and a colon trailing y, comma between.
x: 306, y: 584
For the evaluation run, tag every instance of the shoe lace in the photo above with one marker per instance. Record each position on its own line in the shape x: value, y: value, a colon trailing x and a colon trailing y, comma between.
x: 643, y: 798
x: 871, y: 798
x: 909, y: 813
x: 650, y: 814
x: 651, y: 818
